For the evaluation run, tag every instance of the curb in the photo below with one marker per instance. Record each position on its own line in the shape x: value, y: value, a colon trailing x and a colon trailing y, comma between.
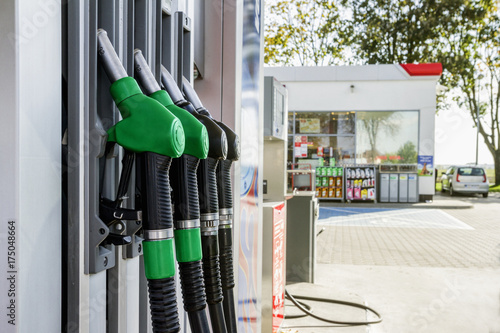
x: 453, y: 204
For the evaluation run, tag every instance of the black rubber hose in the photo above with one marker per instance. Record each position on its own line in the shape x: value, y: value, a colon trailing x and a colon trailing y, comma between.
x: 186, y: 208
x: 225, y: 194
x: 226, y: 258
x: 155, y: 202
x: 327, y: 300
x: 229, y: 310
x: 209, y: 209
x: 211, y: 271
x: 217, y: 317
x: 164, y: 315
x: 198, y: 321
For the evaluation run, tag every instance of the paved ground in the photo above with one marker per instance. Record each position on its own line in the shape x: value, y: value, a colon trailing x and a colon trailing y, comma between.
x: 425, y: 270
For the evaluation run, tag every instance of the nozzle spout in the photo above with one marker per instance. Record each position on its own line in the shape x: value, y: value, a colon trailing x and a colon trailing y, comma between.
x: 144, y: 75
x: 108, y: 57
x: 191, y: 95
x: 170, y: 86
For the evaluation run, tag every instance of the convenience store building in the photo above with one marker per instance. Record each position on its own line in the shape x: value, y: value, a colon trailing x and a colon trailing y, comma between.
x: 357, y: 115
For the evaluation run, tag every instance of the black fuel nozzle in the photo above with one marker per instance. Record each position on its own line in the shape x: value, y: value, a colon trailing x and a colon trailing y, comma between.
x: 225, y: 203
x: 217, y: 137
x: 220, y: 191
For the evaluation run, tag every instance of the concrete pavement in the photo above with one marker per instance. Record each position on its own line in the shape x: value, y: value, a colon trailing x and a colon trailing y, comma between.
x: 426, y: 269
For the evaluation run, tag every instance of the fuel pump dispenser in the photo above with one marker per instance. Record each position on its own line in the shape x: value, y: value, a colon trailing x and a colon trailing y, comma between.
x: 156, y: 136
x: 186, y: 212
x: 209, y: 205
x: 225, y: 197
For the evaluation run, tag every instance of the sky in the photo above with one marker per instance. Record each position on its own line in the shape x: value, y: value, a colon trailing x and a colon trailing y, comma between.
x: 455, y: 140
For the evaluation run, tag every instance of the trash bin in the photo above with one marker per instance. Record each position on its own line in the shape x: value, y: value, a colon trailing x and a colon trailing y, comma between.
x: 384, y: 187
x: 393, y: 187
x: 403, y: 187
x: 412, y: 187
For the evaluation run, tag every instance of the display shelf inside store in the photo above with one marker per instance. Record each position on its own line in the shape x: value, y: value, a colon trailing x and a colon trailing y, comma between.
x: 329, y: 183
x: 360, y: 183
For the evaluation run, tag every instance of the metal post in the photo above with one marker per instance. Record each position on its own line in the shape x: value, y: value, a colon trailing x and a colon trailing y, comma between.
x: 477, y: 115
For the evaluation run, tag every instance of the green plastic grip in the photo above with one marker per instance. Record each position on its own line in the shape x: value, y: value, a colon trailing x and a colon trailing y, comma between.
x: 159, y: 260
x: 196, y: 133
x: 147, y: 125
x: 188, y: 244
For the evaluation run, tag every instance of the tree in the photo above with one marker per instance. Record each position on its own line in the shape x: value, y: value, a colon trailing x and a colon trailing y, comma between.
x: 374, y: 124
x: 302, y: 32
x: 408, y: 152
x: 463, y: 35
x: 475, y: 59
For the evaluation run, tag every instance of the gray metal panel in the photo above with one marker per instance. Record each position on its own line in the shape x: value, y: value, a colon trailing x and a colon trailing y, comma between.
x: 267, y: 266
x: 275, y: 169
x: 393, y: 187
x: 200, y: 30
x: 268, y: 104
x: 384, y: 187
x: 275, y: 108
x: 9, y: 148
x: 78, y: 293
x: 403, y: 187
x: 412, y: 187
x: 301, y: 239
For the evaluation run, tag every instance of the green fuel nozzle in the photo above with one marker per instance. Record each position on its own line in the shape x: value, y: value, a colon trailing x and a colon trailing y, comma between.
x: 209, y: 210
x: 156, y: 136
x: 146, y: 124
x: 225, y: 197
x: 217, y: 137
x: 186, y: 212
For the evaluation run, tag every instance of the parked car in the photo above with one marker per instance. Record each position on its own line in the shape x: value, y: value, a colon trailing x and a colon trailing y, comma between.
x: 465, y: 179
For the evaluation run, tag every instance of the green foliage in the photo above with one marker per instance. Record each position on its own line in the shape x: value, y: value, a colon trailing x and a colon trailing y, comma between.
x: 463, y: 35
x: 302, y: 32
x: 408, y: 153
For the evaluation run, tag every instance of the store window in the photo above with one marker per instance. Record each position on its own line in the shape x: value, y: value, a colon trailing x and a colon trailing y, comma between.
x: 331, y: 150
x: 324, y: 123
x: 387, y: 137
x: 355, y: 137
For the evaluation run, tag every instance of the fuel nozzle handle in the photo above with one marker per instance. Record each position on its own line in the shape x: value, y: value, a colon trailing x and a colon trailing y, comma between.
x: 184, y: 192
x: 217, y: 137
x: 156, y: 136
x: 225, y: 204
x: 209, y: 209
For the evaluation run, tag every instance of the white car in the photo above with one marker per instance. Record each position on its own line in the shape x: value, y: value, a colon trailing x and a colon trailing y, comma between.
x: 465, y: 179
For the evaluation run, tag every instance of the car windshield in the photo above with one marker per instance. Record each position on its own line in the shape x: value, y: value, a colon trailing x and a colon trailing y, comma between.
x: 470, y: 171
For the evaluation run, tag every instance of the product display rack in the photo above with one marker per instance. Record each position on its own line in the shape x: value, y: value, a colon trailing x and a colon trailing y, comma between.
x: 330, y: 183
x: 360, y: 183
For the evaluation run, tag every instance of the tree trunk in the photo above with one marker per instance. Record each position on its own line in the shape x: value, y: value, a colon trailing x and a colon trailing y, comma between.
x: 496, y: 159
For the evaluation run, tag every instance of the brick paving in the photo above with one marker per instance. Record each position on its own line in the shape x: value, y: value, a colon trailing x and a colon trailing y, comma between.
x: 437, y: 273
x: 460, y: 238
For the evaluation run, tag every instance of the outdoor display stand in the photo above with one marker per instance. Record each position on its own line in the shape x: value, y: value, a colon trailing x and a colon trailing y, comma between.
x: 360, y: 183
x: 330, y: 183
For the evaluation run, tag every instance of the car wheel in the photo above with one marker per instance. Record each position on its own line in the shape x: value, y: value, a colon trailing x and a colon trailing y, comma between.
x: 485, y: 195
x: 452, y: 193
